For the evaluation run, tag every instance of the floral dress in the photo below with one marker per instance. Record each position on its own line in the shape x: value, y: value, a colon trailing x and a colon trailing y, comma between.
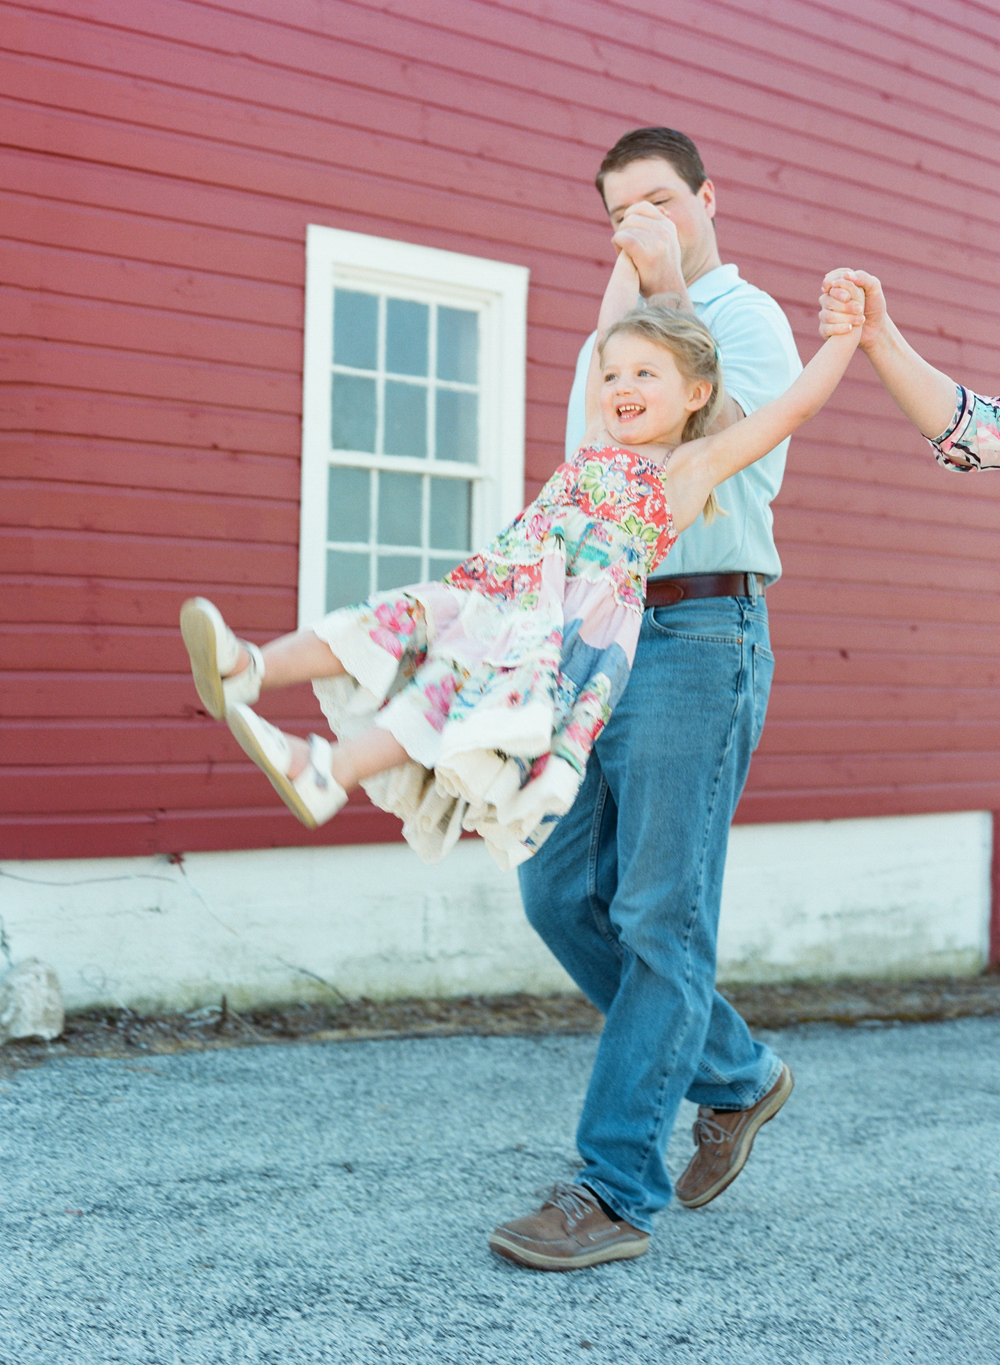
x: 498, y: 679
x: 972, y: 439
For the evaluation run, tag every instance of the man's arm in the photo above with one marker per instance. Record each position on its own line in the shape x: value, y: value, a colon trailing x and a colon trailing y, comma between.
x: 650, y: 238
x: 576, y: 420
x: 728, y: 413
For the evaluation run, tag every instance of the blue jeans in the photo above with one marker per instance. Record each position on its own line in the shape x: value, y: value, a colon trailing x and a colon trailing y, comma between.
x: 626, y: 892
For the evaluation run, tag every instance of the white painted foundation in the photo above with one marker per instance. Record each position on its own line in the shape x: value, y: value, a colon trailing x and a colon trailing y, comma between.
x: 894, y: 897
x: 897, y: 897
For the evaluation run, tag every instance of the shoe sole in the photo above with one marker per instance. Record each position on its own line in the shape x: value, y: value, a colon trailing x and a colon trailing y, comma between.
x: 198, y: 631
x: 537, y: 1260
x: 767, y: 1112
x: 247, y: 739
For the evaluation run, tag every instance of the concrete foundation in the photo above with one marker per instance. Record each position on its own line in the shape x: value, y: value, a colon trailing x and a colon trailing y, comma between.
x: 896, y: 897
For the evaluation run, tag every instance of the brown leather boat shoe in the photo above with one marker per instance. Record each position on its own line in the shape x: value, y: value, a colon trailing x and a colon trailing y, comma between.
x: 570, y: 1231
x: 723, y: 1138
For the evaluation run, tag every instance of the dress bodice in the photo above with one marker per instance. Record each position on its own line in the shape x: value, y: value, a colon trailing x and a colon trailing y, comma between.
x: 616, y: 485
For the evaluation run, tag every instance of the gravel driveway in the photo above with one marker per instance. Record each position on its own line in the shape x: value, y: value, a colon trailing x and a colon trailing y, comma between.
x: 330, y: 1202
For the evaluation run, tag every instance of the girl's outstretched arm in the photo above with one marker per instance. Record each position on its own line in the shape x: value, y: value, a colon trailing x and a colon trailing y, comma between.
x: 696, y: 467
x: 925, y: 395
x: 620, y: 297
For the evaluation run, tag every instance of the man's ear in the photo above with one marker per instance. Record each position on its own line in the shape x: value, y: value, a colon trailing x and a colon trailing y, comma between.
x: 707, y: 196
x: 701, y: 392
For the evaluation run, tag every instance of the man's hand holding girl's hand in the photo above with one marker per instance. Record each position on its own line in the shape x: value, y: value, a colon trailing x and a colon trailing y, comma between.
x: 649, y: 237
x: 851, y: 298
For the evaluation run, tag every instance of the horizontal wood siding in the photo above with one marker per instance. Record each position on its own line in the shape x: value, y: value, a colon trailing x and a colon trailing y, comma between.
x: 160, y: 163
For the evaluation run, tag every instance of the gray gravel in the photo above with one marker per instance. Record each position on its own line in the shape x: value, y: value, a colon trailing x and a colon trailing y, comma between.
x: 331, y: 1203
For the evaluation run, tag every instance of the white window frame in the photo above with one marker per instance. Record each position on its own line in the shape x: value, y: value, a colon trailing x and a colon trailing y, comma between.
x: 499, y: 290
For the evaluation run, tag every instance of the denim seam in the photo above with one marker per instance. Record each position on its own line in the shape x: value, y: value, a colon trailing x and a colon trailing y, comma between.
x: 592, y: 856
x: 698, y: 636
x: 756, y: 1095
x: 711, y: 1074
x: 748, y: 655
x: 692, y: 917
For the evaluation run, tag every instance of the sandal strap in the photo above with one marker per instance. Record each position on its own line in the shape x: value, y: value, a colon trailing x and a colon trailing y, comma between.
x: 320, y: 755
x: 244, y: 688
x: 316, y: 785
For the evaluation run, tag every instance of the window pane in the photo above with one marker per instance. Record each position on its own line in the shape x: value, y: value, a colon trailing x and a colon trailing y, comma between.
x: 399, y: 509
x: 346, y: 578
x: 396, y: 571
x: 355, y: 329
x: 348, y: 503
x: 457, y: 426
x: 353, y: 426
x: 405, y: 420
x: 440, y: 565
x: 450, y: 514
x: 406, y: 328
x: 458, y: 345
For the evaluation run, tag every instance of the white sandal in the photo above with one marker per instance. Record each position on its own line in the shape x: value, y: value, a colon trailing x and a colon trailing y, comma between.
x: 315, y: 795
x: 215, y: 652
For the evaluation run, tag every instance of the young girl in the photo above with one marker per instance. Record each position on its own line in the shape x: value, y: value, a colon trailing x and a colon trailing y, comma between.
x: 473, y: 703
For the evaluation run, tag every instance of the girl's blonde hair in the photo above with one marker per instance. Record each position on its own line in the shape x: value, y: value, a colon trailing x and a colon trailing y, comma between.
x: 693, y: 348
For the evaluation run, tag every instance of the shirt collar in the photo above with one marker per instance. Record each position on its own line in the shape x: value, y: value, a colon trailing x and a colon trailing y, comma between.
x: 714, y: 283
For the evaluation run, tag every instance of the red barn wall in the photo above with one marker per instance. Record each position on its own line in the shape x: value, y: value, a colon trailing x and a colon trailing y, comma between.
x: 160, y: 163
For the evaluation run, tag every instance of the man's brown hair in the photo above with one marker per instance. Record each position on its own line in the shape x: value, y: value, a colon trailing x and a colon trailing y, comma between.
x: 666, y: 143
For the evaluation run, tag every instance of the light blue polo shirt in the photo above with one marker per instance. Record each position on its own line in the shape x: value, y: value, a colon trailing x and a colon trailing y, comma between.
x: 759, y: 361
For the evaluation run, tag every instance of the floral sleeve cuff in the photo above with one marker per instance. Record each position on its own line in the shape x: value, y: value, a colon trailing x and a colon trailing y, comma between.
x: 971, y: 441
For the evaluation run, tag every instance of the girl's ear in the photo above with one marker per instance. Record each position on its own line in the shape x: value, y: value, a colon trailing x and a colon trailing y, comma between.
x: 699, y: 395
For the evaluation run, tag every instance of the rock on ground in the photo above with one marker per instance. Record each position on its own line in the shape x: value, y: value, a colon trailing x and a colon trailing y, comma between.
x: 30, y: 1002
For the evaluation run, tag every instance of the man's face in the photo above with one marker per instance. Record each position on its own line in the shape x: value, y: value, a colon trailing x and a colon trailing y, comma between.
x: 654, y: 179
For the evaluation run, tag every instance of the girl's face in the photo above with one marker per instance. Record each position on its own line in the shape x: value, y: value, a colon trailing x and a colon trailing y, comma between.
x: 644, y: 396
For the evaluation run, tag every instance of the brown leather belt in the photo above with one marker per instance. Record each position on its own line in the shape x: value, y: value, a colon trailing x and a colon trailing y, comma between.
x: 667, y: 592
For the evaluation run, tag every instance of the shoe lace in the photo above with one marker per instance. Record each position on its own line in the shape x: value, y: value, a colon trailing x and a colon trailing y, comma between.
x: 707, y: 1130
x: 573, y: 1201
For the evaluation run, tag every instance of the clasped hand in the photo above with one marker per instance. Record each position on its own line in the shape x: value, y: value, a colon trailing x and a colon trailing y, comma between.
x: 649, y: 238
x: 850, y: 298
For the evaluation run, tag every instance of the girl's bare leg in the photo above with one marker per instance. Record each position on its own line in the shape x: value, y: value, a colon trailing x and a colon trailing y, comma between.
x: 299, y: 657
x: 373, y: 751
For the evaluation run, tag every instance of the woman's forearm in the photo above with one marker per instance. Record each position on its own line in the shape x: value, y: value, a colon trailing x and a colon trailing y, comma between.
x: 925, y: 395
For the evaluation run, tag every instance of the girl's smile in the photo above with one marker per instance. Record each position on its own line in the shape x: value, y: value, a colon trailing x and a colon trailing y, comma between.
x: 626, y: 411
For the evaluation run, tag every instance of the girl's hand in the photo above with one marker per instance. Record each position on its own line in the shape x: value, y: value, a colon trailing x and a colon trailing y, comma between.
x: 625, y: 266
x: 850, y: 297
x: 839, y: 309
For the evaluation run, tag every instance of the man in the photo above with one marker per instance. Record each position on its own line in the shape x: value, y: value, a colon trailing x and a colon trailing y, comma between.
x: 626, y: 890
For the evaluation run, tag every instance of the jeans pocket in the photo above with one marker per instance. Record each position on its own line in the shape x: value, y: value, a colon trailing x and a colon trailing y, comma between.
x: 714, y: 621
x: 763, y: 672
